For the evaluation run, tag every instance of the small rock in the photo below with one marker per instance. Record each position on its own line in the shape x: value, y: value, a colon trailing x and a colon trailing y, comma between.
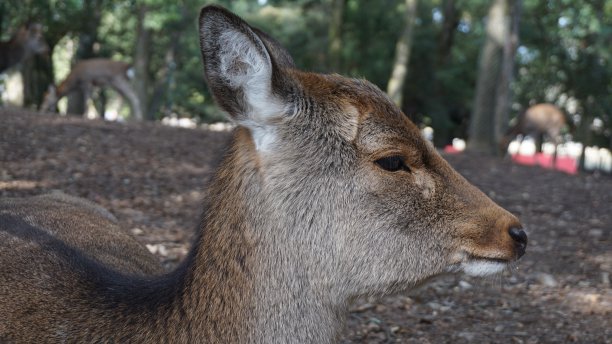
x: 465, y: 285
x: 595, y: 222
x: 605, y: 278
x: 380, y: 308
x: 547, y: 280
x: 469, y: 336
x: 373, y: 327
x: 362, y: 308
x: 434, y: 305
x: 573, y: 337
x: 532, y: 340
x: 136, y: 231
x: 158, y: 249
x: 499, y: 328
x: 596, y: 232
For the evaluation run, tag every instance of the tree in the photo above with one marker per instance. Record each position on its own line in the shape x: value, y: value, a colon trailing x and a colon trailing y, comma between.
x: 565, y: 59
x: 447, y: 34
x: 142, y: 53
x: 448, y: 115
x: 482, y: 138
x: 504, y: 95
x: 335, y: 34
x: 37, y: 72
x: 395, y: 86
x: 88, y: 36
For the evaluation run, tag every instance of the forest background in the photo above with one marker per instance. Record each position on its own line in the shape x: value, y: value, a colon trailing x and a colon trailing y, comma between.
x: 443, y: 61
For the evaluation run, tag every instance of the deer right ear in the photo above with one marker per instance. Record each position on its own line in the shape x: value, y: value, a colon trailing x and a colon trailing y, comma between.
x: 242, y: 74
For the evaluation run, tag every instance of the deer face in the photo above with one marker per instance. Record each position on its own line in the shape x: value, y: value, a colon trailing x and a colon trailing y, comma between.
x: 394, y: 210
x: 360, y: 195
x: 32, y: 38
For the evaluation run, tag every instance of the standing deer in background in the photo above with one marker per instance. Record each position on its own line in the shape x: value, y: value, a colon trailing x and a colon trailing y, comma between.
x: 99, y: 72
x: 26, y: 42
x: 538, y: 121
x: 328, y: 192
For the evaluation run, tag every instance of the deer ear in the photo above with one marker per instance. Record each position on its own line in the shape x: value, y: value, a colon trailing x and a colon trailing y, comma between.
x: 242, y: 73
x: 279, y: 54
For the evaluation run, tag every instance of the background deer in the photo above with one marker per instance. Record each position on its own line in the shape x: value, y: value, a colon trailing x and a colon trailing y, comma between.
x: 538, y: 121
x: 328, y: 192
x: 26, y: 42
x: 99, y: 72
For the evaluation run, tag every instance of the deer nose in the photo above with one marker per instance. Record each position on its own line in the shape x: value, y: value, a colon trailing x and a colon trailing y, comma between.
x: 520, y: 240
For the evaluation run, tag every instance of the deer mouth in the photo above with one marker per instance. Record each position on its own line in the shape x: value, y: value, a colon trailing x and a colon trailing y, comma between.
x: 483, y: 266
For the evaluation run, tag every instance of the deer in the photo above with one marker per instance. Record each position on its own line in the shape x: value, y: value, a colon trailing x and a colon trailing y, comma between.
x: 90, y: 73
x: 328, y: 192
x: 26, y: 42
x: 537, y: 121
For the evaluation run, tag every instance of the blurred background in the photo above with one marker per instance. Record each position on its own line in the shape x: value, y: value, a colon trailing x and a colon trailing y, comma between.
x: 463, y: 69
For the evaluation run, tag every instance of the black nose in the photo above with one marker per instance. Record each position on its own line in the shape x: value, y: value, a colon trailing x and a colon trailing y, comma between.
x: 520, y: 240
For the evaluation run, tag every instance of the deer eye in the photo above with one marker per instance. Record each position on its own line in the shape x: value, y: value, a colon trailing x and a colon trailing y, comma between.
x: 392, y: 164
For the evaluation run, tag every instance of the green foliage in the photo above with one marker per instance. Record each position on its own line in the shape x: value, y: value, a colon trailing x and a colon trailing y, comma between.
x: 565, y: 58
x: 564, y: 54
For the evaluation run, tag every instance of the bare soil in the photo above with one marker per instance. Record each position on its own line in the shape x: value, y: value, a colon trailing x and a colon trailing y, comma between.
x: 153, y: 178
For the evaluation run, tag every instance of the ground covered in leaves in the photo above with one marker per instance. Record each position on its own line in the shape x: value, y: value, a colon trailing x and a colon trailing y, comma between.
x: 153, y: 179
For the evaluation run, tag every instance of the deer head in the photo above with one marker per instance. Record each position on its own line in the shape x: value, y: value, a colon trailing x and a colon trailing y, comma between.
x: 27, y: 41
x: 346, y: 177
x: 32, y: 40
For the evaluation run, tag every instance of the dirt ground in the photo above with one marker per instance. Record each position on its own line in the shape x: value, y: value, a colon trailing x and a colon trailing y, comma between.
x: 153, y: 179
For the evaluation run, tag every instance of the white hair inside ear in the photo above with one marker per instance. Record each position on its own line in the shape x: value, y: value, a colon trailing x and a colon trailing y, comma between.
x: 246, y: 66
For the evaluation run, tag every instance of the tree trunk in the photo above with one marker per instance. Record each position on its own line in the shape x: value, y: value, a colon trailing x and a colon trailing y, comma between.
x: 445, y: 114
x: 37, y: 75
x: 100, y: 101
x: 91, y: 13
x: 504, y: 94
x: 482, y: 138
x: 161, y: 96
x: 161, y: 100
x: 447, y: 34
x: 395, y: 87
x: 141, y: 65
x: 335, y: 35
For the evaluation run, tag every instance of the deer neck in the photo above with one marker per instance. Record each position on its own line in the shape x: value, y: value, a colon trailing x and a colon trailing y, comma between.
x: 65, y: 87
x: 240, y: 279
x: 239, y: 283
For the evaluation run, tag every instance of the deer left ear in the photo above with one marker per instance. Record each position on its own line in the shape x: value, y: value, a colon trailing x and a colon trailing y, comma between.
x: 242, y: 74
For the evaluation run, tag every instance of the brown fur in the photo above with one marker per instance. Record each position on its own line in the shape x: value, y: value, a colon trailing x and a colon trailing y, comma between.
x: 87, y: 74
x: 537, y: 121
x: 301, y: 220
